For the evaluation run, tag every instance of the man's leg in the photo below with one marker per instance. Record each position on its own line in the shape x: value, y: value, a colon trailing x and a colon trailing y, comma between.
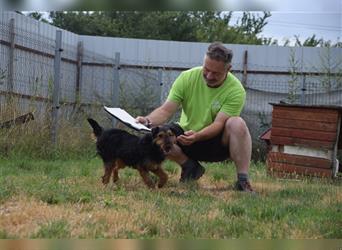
x: 236, y: 135
x: 177, y: 155
x: 191, y: 170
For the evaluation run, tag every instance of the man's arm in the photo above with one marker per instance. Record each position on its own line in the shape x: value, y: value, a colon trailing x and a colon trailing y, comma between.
x: 206, y: 133
x: 159, y: 115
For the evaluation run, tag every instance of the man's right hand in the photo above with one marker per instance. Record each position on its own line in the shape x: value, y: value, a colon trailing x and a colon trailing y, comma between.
x: 188, y: 138
x: 143, y: 120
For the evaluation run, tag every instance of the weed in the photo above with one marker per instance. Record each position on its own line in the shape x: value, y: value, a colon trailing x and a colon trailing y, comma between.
x: 5, y: 235
x: 85, y: 197
x: 55, y: 229
x: 7, y: 189
x: 217, y: 176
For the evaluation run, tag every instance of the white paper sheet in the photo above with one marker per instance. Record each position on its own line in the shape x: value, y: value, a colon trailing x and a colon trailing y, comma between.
x: 126, y: 118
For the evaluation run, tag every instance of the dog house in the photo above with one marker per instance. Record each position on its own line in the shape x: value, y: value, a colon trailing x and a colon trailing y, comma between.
x: 304, y: 140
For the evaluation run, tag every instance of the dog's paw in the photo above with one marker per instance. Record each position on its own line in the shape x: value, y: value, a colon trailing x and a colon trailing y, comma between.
x: 105, y: 180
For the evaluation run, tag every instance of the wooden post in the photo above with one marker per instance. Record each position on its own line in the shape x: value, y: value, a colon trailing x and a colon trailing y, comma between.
x: 116, y: 84
x: 303, y: 90
x: 245, y: 60
x: 56, y: 87
x: 160, y: 83
x: 10, y: 84
x: 336, y: 148
x: 79, y: 73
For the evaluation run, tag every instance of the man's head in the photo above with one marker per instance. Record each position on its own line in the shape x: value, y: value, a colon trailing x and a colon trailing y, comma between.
x: 217, y: 63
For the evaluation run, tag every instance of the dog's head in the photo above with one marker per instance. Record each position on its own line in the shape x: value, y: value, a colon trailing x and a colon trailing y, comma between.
x: 163, y: 137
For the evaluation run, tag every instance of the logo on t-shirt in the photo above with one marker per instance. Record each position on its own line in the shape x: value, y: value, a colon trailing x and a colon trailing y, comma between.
x: 215, y: 107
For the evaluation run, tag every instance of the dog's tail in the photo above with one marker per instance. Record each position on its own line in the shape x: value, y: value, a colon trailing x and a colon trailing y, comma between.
x: 96, y: 127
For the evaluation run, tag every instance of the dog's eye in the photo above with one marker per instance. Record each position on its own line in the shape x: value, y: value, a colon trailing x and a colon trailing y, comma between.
x: 160, y: 136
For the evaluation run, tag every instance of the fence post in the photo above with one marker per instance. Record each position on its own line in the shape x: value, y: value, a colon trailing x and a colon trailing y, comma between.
x: 10, y: 84
x: 116, y: 84
x: 79, y: 72
x: 245, y: 62
x: 56, y: 87
x: 303, y: 89
x: 160, y: 83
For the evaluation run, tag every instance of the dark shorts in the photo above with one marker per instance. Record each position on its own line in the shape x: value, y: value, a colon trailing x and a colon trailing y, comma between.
x: 210, y: 150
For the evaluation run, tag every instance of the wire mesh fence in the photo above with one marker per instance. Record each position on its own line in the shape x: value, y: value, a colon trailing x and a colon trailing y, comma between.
x: 90, y: 80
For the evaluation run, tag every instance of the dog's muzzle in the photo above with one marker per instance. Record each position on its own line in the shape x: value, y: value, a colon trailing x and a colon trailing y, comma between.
x: 167, y: 148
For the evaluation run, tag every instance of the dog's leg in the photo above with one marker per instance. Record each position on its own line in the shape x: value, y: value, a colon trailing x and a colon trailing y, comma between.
x: 118, y: 165
x: 146, y: 177
x: 115, y: 174
x: 108, y: 168
x: 162, y: 176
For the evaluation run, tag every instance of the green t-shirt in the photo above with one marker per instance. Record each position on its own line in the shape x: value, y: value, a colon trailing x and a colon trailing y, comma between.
x: 200, y: 103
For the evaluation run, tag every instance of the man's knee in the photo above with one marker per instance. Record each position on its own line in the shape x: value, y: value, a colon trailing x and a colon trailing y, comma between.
x: 176, y: 154
x: 236, y: 126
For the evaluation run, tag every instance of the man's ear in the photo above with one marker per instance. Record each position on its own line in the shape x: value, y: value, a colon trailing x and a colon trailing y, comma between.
x: 229, y: 67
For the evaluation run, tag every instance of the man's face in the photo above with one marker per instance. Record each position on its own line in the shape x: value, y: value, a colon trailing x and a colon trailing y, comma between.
x: 214, y: 72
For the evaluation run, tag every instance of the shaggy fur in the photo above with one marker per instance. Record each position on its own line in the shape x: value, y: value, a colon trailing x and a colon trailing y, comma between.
x: 118, y: 149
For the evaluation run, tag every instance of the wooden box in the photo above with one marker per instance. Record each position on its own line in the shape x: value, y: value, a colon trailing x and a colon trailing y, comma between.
x: 304, y: 140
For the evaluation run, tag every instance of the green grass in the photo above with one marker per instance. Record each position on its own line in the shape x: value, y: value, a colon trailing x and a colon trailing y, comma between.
x: 65, y: 199
x: 54, y: 229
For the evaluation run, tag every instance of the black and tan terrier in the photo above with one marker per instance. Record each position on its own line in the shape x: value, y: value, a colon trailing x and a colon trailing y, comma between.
x: 118, y: 149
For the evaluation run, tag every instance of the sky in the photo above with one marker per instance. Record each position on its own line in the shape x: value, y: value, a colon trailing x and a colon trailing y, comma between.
x: 284, y: 25
x: 302, y: 18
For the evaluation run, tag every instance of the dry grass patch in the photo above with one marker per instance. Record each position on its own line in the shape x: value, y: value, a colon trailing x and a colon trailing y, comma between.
x: 24, y: 217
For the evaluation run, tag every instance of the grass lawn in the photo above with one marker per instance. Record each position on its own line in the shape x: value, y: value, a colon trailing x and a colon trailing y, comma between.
x: 66, y: 199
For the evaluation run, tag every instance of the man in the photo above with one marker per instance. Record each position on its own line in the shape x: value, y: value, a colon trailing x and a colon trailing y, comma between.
x: 210, y: 128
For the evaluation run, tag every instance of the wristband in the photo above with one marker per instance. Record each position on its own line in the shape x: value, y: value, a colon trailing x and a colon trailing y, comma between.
x: 148, y: 123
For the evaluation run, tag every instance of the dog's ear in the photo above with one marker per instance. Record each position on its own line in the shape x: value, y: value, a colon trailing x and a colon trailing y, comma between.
x: 155, y: 131
x: 146, y: 139
x: 177, y: 130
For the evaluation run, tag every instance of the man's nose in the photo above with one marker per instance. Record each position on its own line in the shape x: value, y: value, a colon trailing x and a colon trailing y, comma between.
x: 210, y: 75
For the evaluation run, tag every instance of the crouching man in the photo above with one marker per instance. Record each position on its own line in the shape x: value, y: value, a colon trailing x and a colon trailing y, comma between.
x: 210, y: 128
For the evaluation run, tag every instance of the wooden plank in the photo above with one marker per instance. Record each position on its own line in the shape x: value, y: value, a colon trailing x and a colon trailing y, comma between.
x: 308, y: 109
x: 281, y: 140
x: 266, y: 135
x: 339, y: 142
x: 305, y: 161
x: 17, y: 121
x: 280, y: 174
x: 306, y: 115
x: 285, y: 175
x: 307, y: 151
x: 301, y: 124
x: 290, y: 168
x: 304, y: 134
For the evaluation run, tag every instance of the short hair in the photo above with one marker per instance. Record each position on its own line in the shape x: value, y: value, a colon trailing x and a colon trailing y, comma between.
x: 218, y: 52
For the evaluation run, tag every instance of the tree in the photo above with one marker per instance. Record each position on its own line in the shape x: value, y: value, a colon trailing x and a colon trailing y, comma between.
x: 309, y: 42
x: 83, y: 23
x: 38, y: 16
x: 194, y: 26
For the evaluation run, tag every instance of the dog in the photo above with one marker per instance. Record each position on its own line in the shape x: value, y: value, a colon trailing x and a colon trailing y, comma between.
x: 119, y: 149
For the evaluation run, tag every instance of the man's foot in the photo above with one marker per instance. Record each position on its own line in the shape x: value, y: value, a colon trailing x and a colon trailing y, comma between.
x: 244, y: 186
x: 191, y: 170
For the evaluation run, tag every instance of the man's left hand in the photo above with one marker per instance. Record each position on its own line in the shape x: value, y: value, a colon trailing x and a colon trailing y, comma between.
x: 188, y: 138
